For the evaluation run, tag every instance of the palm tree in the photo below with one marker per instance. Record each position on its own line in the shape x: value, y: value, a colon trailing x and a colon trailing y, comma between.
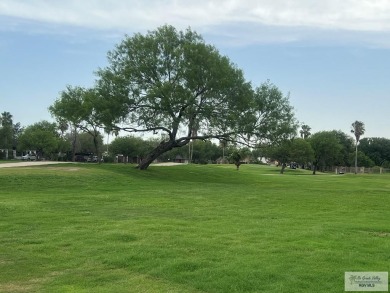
x: 193, y: 133
x: 305, y: 131
x: 7, y: 130
x: 6, y: 119
x: 357, y: 129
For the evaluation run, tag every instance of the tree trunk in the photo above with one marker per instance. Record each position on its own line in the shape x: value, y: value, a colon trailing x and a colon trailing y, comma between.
x: 159, y: 150
x: 74, y: 144
x: 96, y: 145
x: 283, y: 167
x: 314, y: 169
x: 356, y: 149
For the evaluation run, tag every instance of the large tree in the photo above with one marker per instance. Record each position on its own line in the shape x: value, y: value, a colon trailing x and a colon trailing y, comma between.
x: 171, y: 82
x: 301, y: 152
x: 377, y: 149
x: 326, y: 147
x: 67, y: 109
x: 358, y: 130
x: 41, y: 137
x: 348, y: 148
x: 295, y: 150
x: 76, y: 106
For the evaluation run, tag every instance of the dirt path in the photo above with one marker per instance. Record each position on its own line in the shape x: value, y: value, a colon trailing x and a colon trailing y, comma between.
x: 167, y: 164
x: 28, y: 164
x: 40, y: 163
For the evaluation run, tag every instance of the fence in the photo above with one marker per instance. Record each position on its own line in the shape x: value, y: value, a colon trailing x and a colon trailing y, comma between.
x: 360, y: 170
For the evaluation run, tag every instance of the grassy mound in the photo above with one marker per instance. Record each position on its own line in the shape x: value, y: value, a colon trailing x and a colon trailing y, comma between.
x: 190, y: 228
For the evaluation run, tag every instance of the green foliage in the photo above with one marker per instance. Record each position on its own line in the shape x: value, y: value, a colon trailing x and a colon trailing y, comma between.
x: 236, y: 158
x: 168, y: 79
x: 205, y: 151
x: 171, y: 82
x: 131, y: 146
x: 358, y: 130
x: 343, y: 159
x: 85, y: 143
x: 301, y: 151
x: 70, y: 106
x: 362, y: 160
x: 377, y: 149
x: 326, y: 147
x: 280, y: 152
x: 296, y: 150
x: 6, y: 130
x: 273, y: 115
x: 76, y: 106
x: 305, y: 131
x: 41, y: 137
x: 9, y: 131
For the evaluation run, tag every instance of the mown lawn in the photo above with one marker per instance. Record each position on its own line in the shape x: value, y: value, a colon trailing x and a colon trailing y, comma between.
x: 191, y: 228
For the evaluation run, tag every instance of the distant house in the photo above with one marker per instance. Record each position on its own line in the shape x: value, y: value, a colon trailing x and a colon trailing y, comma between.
x: 221, y: 160
x: 180, y: 159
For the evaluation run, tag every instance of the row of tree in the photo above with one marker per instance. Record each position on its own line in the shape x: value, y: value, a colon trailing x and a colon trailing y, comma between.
x: 321, y: 150
x: 9, y: 131
x: 173, y: 86
x: 46, y: 139
x: 316, y: 151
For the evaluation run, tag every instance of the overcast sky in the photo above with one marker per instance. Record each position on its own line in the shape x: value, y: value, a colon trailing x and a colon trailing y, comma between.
x: 332, y: 56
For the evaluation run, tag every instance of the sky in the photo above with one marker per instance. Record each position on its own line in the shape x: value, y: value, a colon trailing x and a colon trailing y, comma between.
x: 332, y: 57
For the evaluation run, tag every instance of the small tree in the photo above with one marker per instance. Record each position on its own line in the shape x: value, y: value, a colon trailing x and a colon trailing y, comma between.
x: 358, y: 130
x: 301, y: 151
x: 236, y: 158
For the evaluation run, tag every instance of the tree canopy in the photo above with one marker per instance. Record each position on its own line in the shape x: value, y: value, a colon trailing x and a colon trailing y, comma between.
x: 9, y: 131
x: 296, y: 150
x: 41, y: 137
x: 76, y: 107
x: 377, y: 149
x: 172, y: 82
x: 358, y: 130
x: 326, y: 147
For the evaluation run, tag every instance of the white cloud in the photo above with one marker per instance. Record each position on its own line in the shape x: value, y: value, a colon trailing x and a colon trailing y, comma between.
x: 241, y: 20
x: 368, y: 15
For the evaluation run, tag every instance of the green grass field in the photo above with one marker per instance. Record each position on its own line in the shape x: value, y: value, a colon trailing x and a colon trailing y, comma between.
x: 190, y: 228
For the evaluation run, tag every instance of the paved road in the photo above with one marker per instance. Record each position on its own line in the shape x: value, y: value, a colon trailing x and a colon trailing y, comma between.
x: 30, y: 163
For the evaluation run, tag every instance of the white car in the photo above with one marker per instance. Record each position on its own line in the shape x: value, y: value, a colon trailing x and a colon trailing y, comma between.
x: 29, y: 157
